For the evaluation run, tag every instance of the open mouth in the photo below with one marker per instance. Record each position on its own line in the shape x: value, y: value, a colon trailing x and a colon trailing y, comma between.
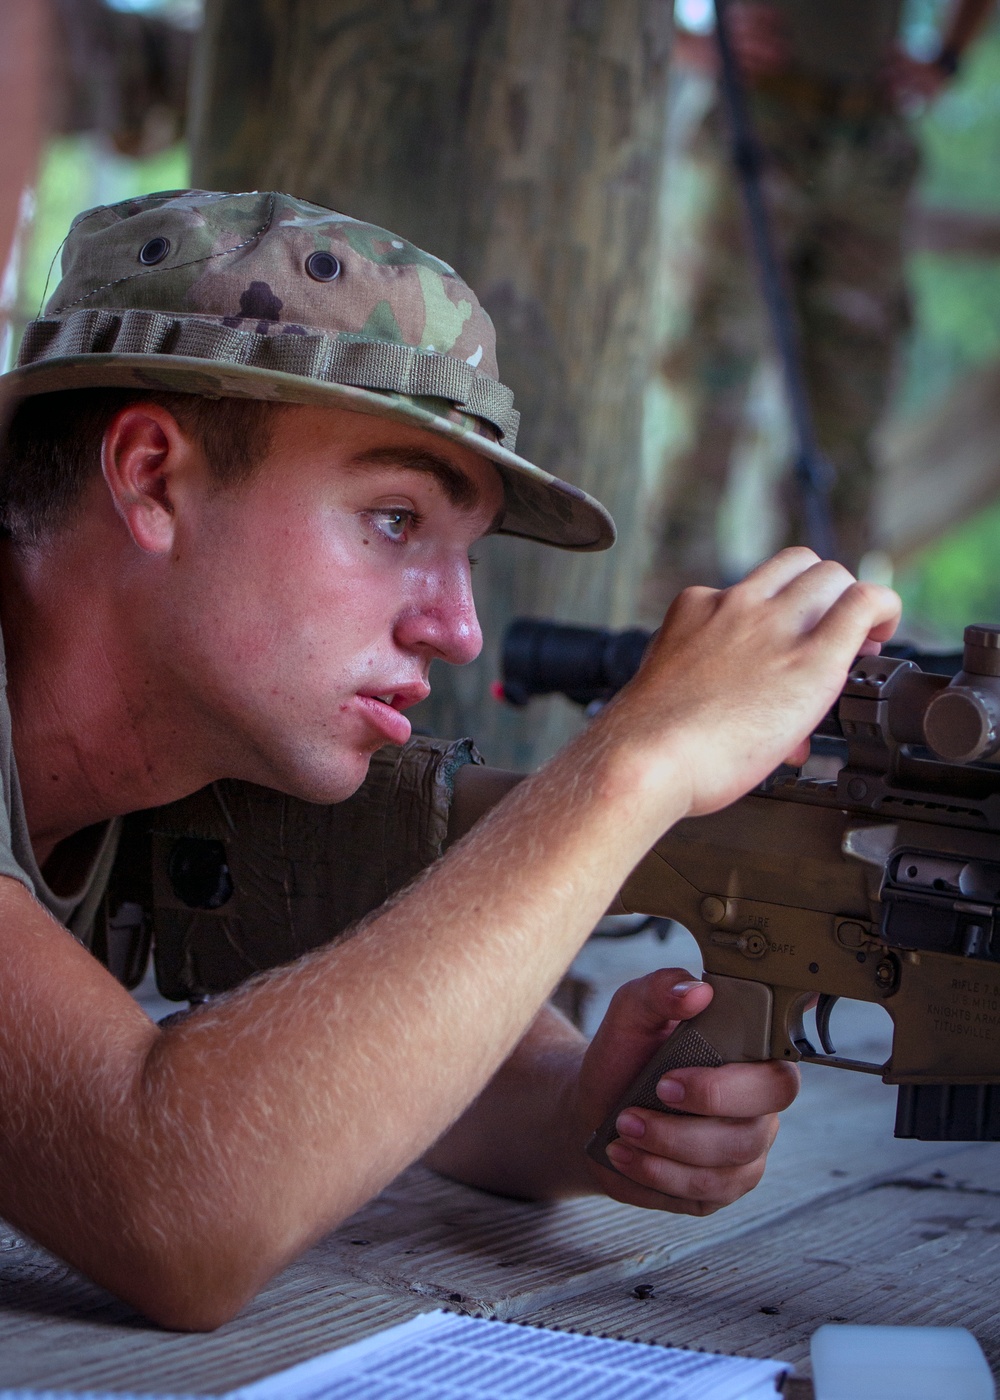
x: 384, y: 709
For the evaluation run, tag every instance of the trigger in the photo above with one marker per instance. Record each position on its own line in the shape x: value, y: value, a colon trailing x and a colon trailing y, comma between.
x: 824, y: 1007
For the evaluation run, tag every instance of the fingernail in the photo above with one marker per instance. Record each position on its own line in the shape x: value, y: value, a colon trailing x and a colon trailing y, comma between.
x: 670, y: 1091
x: 630, y: 1125
x: 620, y: 1154
x: 681, y: 989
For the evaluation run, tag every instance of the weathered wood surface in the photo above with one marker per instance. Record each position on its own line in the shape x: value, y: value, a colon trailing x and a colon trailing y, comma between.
x: 522, y: 143
x: 920, y: 1248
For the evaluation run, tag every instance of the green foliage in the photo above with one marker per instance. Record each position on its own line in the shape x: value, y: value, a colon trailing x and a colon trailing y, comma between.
x: 956, y: 305
x: 957, y: 581
x: 76, y: 174
x: 961, y: 133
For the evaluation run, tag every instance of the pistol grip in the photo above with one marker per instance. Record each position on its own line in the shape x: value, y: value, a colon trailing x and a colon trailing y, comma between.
x: 735, y: 1027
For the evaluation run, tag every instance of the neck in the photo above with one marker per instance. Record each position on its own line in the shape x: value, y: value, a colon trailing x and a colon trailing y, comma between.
x: 97, y: 731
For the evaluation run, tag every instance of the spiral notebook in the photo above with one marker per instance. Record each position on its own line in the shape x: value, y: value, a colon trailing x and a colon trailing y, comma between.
x: 443, y: 1356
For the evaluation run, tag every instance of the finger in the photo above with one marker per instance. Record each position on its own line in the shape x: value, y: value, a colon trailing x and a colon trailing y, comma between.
x: 863, y: 612
x: 700, y: 1188
x: 810, y: 594
x: 731, y: 1091
x: 621, y: 1187
x: 769, y: 578
x: 641, y: 1015
x: 642, y: 1009
x: 687, y: 611
x: 699, y: 1142
x: 799, y: 754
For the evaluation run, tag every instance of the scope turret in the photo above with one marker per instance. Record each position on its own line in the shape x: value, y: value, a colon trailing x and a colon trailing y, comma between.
x: 962, y: 721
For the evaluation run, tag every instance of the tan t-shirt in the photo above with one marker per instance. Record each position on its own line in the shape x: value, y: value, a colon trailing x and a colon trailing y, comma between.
x: 17, y: 859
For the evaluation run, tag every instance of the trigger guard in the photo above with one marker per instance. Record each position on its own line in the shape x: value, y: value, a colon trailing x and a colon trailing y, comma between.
x: 796, y: 1030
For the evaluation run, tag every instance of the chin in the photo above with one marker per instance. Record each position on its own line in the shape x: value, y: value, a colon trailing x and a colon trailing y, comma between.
x: 327, y: 783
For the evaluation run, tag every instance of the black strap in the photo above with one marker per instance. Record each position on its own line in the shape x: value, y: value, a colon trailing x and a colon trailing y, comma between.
x: 814, y: 473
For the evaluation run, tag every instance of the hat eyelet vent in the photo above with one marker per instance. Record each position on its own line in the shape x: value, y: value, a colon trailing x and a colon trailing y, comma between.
x: 322, y: 267
x: 153, y: 251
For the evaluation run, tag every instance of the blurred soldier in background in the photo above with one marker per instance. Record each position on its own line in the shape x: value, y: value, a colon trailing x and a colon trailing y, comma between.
x: 121, y: 72
x: 829, y: 87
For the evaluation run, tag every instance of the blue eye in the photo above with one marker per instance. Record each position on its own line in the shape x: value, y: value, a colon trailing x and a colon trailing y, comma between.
x: 394, y: 523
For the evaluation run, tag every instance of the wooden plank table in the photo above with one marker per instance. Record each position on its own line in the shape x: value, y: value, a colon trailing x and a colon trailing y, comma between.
x: 849, y: 1224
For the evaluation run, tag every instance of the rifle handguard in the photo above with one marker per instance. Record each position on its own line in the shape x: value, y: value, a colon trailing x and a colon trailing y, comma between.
x: 735, y: 1028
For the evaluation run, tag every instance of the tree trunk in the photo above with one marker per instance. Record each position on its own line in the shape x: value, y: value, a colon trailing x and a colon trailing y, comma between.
x: 23, y: 51
x: 522, y: 142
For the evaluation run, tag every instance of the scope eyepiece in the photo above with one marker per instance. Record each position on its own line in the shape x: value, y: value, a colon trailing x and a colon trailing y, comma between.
x: 583, y: 663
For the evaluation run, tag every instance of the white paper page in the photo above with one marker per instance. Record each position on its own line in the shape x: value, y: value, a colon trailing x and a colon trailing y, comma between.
x: 87, y: 1395
x: 442, y: 1356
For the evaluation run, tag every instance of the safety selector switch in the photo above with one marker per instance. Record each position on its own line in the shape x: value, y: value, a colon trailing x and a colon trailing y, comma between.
x: 962, y: 721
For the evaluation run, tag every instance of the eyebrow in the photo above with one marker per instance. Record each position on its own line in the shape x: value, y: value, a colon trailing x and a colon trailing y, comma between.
x: 460, y: 489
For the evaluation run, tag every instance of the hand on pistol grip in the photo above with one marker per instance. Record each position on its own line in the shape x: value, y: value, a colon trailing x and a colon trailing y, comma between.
x: 735, y: 1027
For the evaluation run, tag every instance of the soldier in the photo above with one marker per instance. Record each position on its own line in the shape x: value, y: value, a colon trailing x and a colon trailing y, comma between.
x: 252, y: 442
x: 827, y: 85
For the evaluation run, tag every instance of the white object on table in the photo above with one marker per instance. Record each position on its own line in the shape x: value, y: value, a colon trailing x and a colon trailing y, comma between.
x: 899, y: 1363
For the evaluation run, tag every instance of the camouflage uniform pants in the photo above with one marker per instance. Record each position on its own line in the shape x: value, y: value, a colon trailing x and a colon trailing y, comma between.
x: 837, y: 192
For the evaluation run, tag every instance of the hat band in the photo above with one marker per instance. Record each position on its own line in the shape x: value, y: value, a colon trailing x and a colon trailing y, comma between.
x: 307, y: 352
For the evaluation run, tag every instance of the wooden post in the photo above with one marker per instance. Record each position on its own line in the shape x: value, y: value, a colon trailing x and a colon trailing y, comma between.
x: 523, y: 143
x: 23, y: 51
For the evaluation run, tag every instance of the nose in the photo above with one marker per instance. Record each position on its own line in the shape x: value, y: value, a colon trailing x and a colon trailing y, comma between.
x: 442, y: 621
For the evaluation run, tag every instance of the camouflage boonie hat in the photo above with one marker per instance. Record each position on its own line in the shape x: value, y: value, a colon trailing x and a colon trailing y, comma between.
x: 263, y: 296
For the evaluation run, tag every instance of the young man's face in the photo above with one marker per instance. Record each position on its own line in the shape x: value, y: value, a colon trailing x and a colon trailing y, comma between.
x: 317, y: 595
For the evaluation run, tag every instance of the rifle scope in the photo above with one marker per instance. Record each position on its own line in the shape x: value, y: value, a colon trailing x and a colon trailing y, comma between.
x: 583, y: 663
x: 588, y: 664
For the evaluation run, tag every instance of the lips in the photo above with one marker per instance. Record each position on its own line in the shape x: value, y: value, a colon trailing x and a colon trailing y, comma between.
x: 399, y: 697
x: 383, y: 710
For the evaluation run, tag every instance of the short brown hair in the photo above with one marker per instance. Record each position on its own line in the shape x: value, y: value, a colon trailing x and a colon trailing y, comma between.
x: 53, y: 445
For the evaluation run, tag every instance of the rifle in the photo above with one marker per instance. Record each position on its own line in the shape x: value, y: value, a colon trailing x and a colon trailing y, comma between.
x: 880, y: 884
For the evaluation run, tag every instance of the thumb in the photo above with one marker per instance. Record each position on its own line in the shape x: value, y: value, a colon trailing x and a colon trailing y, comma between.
x: 641, y: 1016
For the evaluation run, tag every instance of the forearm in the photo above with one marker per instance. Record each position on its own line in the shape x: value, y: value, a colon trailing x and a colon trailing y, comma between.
x: 523, y: 1135
x: 218, y: 1148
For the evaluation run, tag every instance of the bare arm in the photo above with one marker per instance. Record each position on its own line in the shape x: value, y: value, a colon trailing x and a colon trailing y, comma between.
x: 965, y: 21
x: 181, y: 1167
x: 911, y: 78
x: 522, y: 1135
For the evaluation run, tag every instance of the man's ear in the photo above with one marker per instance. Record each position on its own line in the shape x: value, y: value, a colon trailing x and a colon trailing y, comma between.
x: 145, y: 457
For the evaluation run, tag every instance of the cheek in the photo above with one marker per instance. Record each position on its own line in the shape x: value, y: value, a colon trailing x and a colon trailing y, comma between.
x: 323, y: 586
x: 282, y: 585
